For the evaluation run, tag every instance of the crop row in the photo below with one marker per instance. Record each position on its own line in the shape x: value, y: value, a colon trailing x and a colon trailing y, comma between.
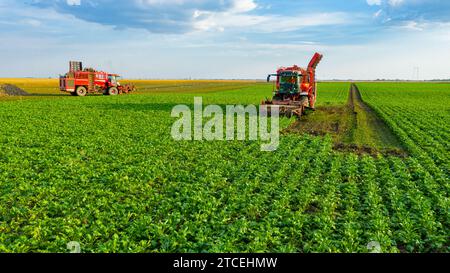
x: 104, y: 171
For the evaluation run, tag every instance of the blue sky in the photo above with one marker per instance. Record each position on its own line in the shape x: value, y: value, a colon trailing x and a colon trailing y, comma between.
x: 361, y: 39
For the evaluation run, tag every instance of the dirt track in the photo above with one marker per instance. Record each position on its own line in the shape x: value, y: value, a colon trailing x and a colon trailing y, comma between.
x: 370, y: 129
x: 355, y: 127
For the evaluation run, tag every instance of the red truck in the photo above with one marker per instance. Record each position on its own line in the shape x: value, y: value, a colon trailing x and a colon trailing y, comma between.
x: 80, y: 82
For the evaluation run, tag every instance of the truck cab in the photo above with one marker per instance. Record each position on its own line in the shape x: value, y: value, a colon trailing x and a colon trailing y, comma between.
x: 113, y: 80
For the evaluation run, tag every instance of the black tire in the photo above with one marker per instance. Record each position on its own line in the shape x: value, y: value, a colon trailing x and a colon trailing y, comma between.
x: 113, y: 91
x: 81, y: 91
x: 304, y: 100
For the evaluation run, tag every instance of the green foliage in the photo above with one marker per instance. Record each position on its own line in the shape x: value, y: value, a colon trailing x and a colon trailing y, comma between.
x: 105, y: 172
x: 332, y: 93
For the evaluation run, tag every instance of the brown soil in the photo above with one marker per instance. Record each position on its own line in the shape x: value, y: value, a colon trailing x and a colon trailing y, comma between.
x: 368, y: 150
x: 12, y: 90
x: 334, y: 120
x: 354, y: 127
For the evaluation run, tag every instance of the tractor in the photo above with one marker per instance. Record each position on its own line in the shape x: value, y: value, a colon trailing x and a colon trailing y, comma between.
x: 80, y: 82
x: 296, y: 89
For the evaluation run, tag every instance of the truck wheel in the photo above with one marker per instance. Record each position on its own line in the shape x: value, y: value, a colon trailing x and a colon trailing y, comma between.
x: 113, y: 91
x: 81, y: 91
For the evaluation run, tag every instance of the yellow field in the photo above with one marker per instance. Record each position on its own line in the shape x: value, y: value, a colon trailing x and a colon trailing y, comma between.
x: 50, y: 87
x: 34, y: 86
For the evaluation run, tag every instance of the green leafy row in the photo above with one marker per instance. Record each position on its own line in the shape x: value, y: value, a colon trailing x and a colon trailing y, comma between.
x: 105, y: 172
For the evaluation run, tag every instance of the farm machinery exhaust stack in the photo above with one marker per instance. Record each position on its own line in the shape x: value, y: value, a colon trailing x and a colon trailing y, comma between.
x: 80, y: 82
x: 296, y: 89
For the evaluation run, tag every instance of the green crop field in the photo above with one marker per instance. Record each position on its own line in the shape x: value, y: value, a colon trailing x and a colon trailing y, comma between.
x: 105, y: 172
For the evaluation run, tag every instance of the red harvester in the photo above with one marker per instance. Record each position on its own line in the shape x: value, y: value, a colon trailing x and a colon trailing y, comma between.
x: 296, y: 88
x: 80, y: 82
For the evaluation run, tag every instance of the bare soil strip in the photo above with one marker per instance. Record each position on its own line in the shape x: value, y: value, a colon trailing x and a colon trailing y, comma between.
x: 354, y: 127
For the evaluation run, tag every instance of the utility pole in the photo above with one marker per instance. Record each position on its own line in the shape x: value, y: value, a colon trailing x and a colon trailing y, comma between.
x: 416, y: 73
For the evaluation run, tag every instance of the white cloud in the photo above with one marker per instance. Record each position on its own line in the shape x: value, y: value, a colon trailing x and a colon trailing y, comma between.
x: 243, y: 6
x: 272, y: 23
x: 412, y: 25
x: 374, y: 2
x: 74, y: 2
x: 390, y: 2
x: 378, y: 13
x: 401, y: 12
x: 395, y: 2
x: 157, y: 16
x: 32, y: 22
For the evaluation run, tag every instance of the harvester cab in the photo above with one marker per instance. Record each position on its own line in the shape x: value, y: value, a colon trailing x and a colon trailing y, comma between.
x: 114, y: 79
x: 288, y: 83
x: 295, y: 89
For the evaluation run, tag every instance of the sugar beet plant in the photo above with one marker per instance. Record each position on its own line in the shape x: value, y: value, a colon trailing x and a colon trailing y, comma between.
x: 105, y: 172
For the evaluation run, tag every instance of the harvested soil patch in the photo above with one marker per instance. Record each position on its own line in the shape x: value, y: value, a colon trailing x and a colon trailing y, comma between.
x: 354, y: 127
x: 334, y: 120
x: 368, y: 150
x: 12, y: 90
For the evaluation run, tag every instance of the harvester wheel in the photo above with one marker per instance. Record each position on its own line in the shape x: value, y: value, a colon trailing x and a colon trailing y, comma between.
x: 81, y: 91
x: 304, y: 101
x: 113, y: 91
